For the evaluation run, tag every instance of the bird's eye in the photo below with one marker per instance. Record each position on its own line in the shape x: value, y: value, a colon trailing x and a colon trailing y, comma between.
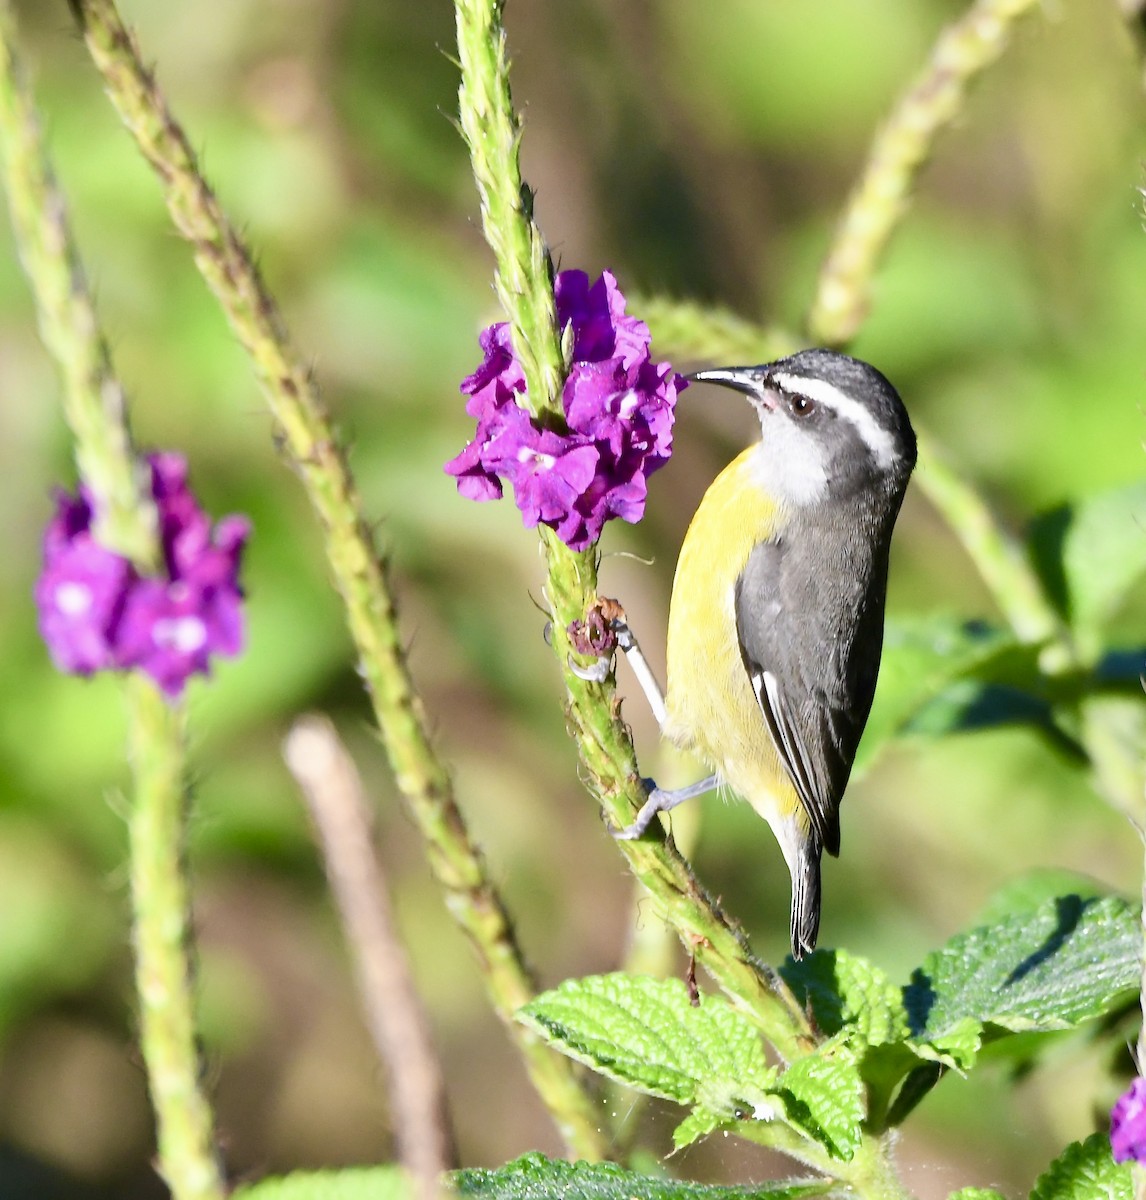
x: 801, y: 406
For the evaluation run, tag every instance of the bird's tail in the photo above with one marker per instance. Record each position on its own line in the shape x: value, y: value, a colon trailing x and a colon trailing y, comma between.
x: 805, y: 871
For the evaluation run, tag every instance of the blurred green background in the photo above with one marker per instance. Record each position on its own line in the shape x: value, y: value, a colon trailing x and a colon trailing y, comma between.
x: 698, y: 150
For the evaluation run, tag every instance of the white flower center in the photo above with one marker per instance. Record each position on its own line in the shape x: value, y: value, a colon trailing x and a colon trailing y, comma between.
x: 183, y: 634
x: 543, y: 461
x: 73, y: 599
x: 628, y: 404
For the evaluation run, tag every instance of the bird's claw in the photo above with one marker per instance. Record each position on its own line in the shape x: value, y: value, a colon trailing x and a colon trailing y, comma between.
x: 644, y: 817
x: 596, y: 672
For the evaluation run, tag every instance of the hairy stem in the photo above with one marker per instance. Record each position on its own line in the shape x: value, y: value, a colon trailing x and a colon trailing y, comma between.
x: 95, y: 409
x: 94, y: 403
x: 524, y: 270
x: 359, y: 573
x: 609, y: 765
x: 934, y: 100
x: 160, y: 903
x: 998, y: 556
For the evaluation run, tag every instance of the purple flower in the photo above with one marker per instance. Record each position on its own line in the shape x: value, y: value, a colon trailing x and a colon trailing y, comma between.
x: 1128, y: 1124
x: 97, y: 612
x: 619, y: 410
x: 80, y: 592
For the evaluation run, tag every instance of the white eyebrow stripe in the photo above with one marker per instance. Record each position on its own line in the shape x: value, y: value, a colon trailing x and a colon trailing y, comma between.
x: 875, y: 437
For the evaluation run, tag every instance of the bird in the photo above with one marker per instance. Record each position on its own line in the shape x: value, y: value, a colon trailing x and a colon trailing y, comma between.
x: 776, y: 616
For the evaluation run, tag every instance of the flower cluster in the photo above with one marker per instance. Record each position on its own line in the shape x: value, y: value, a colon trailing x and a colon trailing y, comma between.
x: 98, y: 613
x: 1128, y: 1124
x: 619, y: 409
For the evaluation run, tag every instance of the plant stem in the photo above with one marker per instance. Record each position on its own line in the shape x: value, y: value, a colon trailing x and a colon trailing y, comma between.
x: 359, y: 573
x: 95, y: 409
x: 934, y: 100
x: 395, y: 1015
x: 94, y: 403
x: 492, y: 132
x: 690, y: 332
x: 524, y: 270
x: 609, y: 769
x: 998, y: 556
x: 163, y: 973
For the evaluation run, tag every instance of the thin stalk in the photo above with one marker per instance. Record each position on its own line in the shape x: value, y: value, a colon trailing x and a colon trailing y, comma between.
x: 94, y: 403
x: 998, y: 556
x: 609, y: 768
x: 160, y: 903
x: 695, y: 333
x: 96, y: 412
x: 524, y: 270
x: 360, y: 574
x: 965, y: 49
x: 395, y: 1015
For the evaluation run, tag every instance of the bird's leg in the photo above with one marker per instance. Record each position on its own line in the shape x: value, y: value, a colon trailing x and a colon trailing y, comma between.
x: 607, y: 628
x: 632, y: 651
x: 660, y: 801
x: 623, y: 638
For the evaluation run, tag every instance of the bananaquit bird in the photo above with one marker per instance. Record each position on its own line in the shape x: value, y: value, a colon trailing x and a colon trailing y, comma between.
x: 776, y: 621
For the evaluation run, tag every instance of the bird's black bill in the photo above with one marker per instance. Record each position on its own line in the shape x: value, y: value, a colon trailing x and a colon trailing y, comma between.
x: 751, y: 381
x: 742, y: 379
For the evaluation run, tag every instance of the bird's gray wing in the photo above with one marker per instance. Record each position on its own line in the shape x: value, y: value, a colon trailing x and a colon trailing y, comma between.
x: 813, y: 678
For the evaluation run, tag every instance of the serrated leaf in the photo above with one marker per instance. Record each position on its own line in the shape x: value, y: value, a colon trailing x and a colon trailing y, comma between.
x: 699, y: 1123
x: 824, y: 1094
x: 976, y: 1193
x: 1052, y: 967
x: 358, y: 1183
x: 1085, y: 1171
x: 922, y: 657
x: 535, y: 1177
x: 957, y: 1046
x: 1090, y: 554
x: 645, y: 1033
x: 847, y: 992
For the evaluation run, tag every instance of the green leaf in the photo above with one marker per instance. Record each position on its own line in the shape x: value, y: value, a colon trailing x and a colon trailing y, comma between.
x: 535, y: 1177
x: 358, y: 1183
x: 1051, y: 967
x: 1090, y: 554
x: 976, y: 1193
x: 699, y: 1123
x: 824, y: 1094
x: 853, y: 1000
x: 645, y: 1033
x: 846, y: 991
x: 921, y: 658
x: 957, y: 1046
x: 1085, y: 1171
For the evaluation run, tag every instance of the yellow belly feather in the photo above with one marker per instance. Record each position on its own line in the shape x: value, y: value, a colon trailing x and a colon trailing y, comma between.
x: 712, y: 709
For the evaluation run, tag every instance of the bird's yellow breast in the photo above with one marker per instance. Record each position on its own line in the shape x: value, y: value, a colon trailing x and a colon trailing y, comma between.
x: 711, y: 707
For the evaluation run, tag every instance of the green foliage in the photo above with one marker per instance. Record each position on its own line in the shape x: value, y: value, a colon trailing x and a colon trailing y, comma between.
x: 1066, y: 961
x: 535, y: 1177
x: 645, y: 1033
x: 366, y: 1183
x: 1085, y: 1171
x: 824, y: 1094
x: 998, y: 318
x: 1089, y: 555
x: 1041, y: 965
x: 922, y: 659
